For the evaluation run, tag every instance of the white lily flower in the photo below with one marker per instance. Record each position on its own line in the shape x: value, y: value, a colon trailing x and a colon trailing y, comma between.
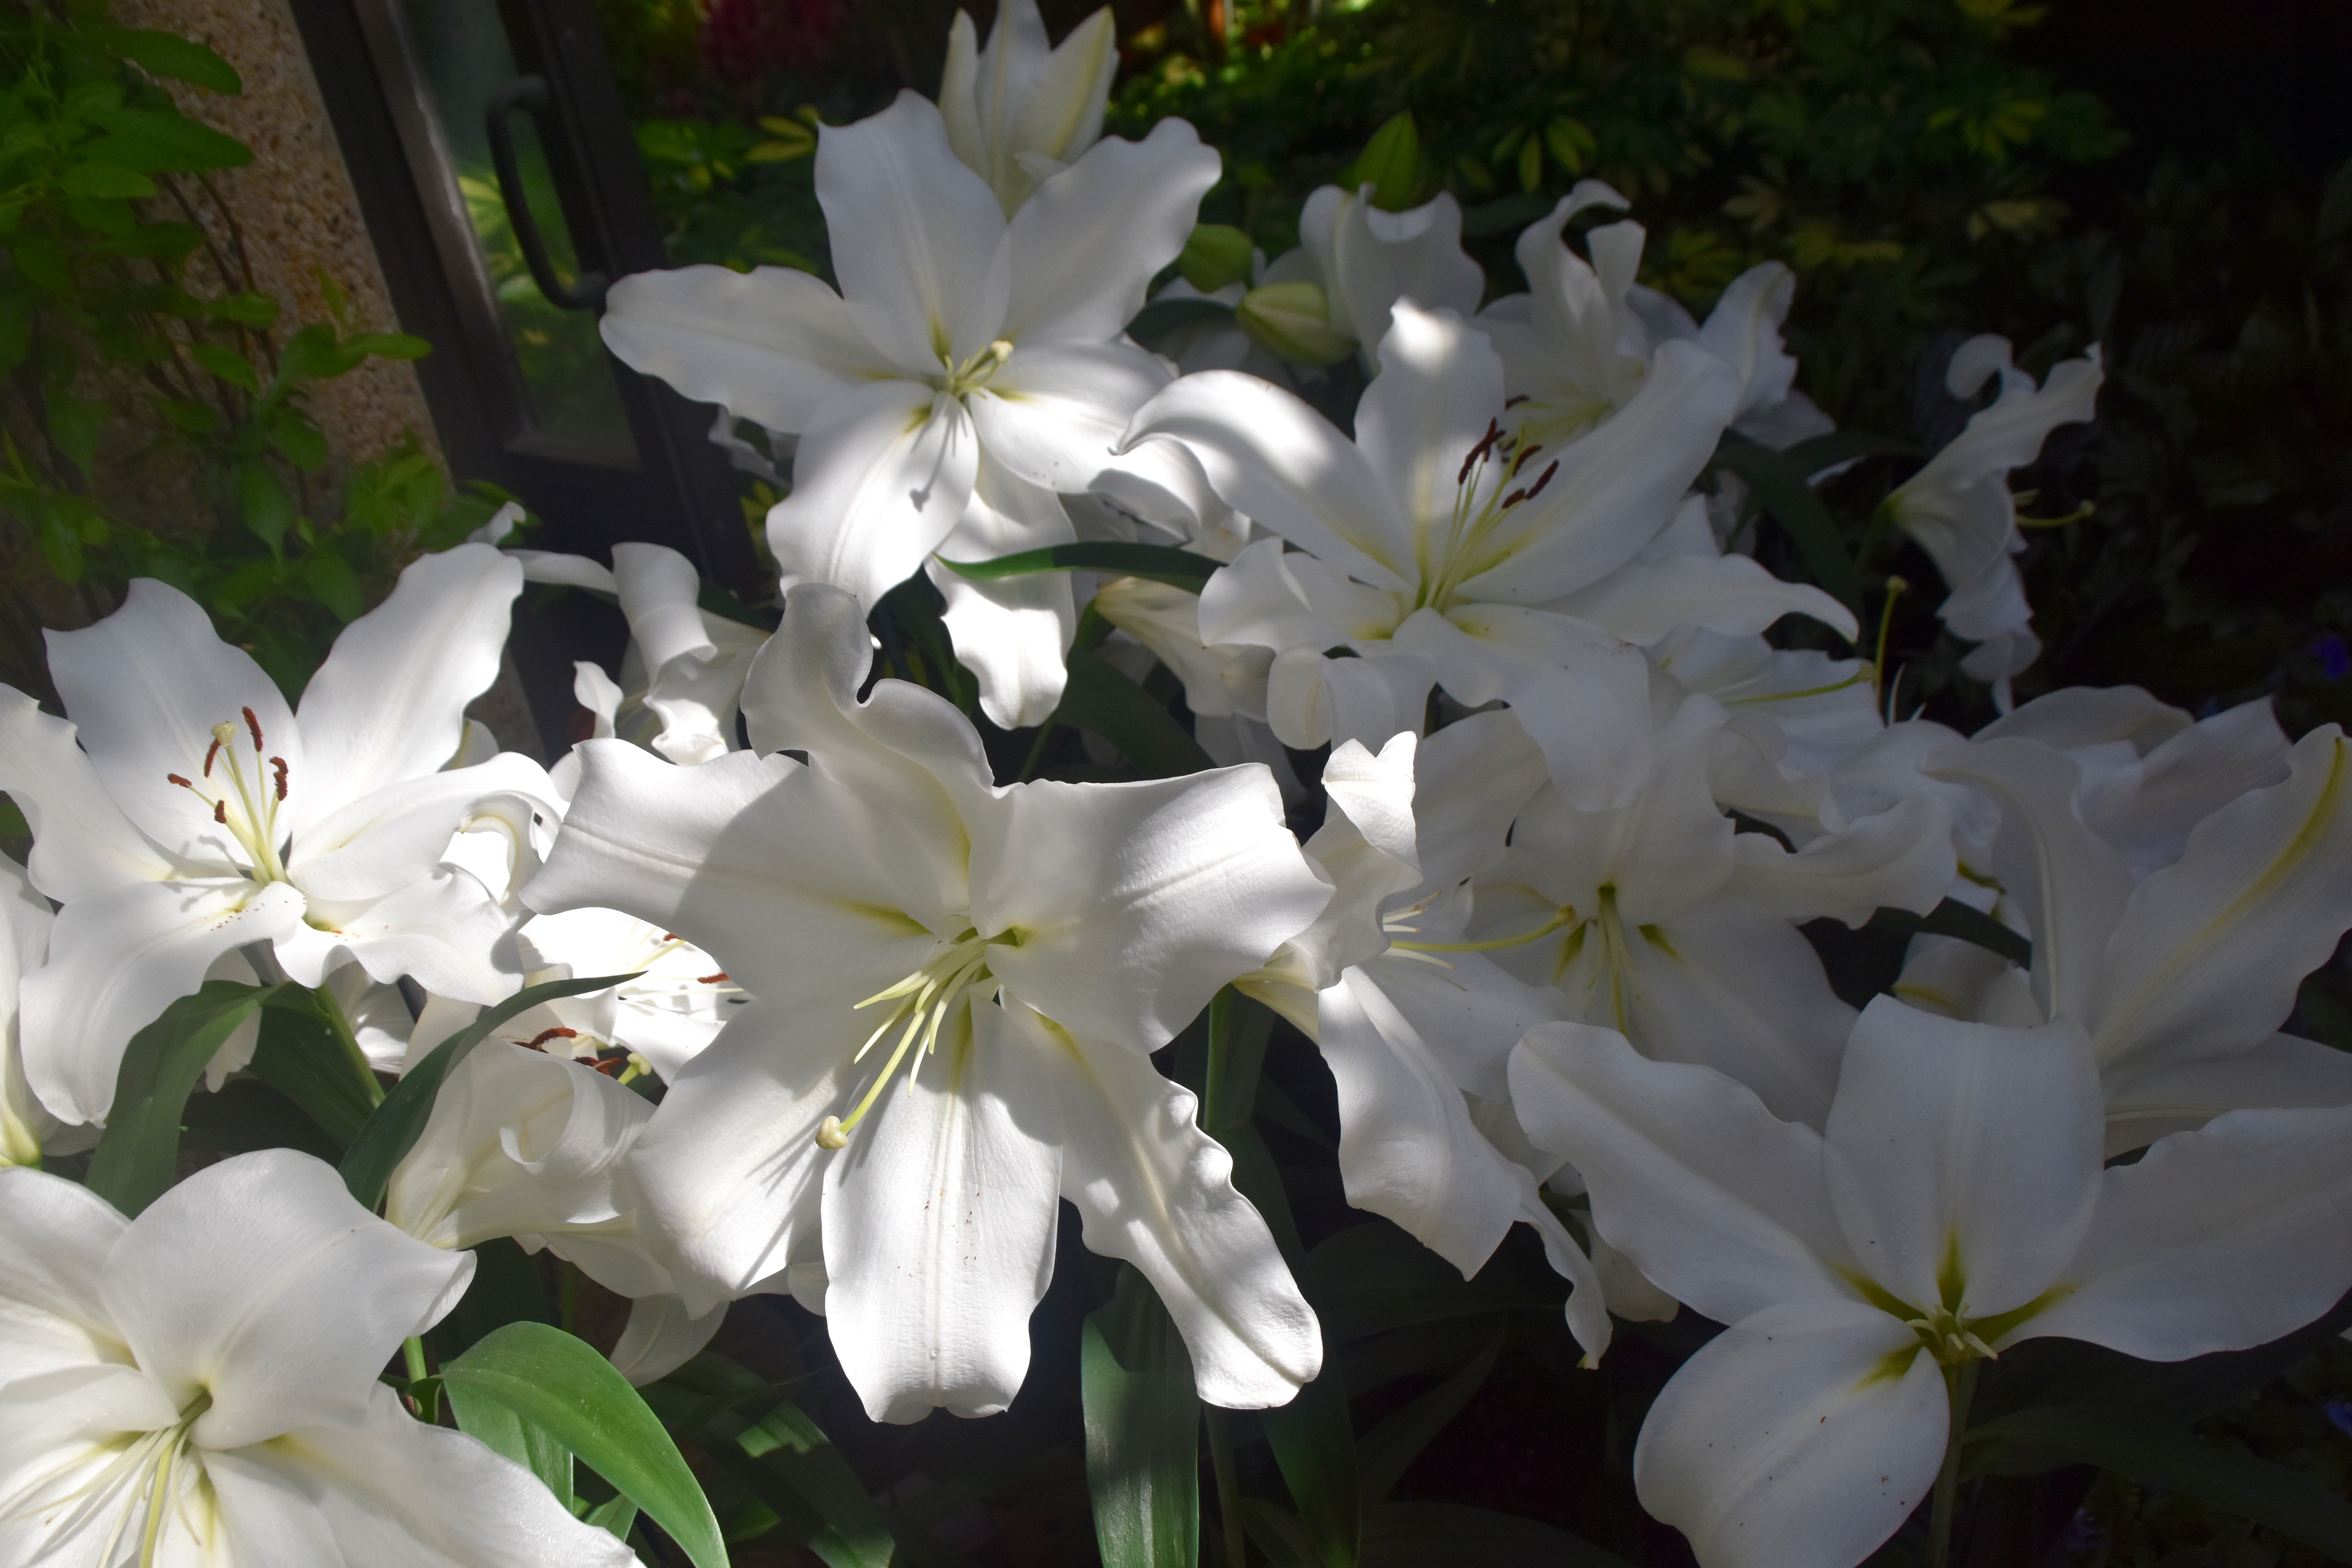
x: 1437, y: 550
x: 887, y: 903
x: 1018, y: 112
x: 693, y: 661
x: 1954, y: 1206
x: 1415, y: 1025
x: 199, y: 1385
x: 1366, y: 260
x: 199, y: 813
x: 2181, y: 981
x: 534, y: 1145
x: 2149, y: 772
x: 1959, y: 508
x: 1658, y: 920
x: 674, y: 1007
x: 27, y: 1126
x: 971, y: 368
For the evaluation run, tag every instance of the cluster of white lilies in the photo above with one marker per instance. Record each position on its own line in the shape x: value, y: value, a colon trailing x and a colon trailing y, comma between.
x: 1546, y: 936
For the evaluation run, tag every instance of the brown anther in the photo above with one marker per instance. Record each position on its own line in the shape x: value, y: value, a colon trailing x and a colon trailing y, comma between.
x: 671, y: 936
x: 716, y: 979
x: 1519, y: 459
x: 1542, y: 479
x: 210, y: 752
x: 1514, y: 499
x: 1509, y: 402
x: 174, y: 778
x: 253, y: 724
x: 220, y: 812
x: 1485, y: 444
x: 277, y: 766
x: 539, y: 1042
x: 611, y: 1066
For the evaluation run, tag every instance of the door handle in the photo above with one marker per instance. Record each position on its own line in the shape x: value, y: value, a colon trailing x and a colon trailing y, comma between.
x: 531, y: 93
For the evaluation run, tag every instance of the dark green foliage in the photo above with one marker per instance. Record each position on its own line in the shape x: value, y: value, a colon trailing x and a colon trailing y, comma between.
x: 141, y: 360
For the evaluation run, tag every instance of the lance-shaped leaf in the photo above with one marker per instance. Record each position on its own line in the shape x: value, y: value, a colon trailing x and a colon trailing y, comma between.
x: 1159, y: 562
x: 562, y: 1386
x: 134, y: 1163
x: 1143, y: 1427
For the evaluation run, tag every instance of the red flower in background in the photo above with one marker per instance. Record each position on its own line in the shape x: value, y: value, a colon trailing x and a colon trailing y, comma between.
x: 743, y: 40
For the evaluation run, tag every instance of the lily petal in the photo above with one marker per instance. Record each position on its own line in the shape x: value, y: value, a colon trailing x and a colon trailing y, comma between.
x: 389, y: 704
x: 1053, y: 415
x: 2217, y: 1240
x: 2209, y: 951
x: 879, y: 480
x: 1155, y: 1189
x: 82, y: 844
x: 1806, y: 1434
x: 1964, y: 1146
x: 1269, y: 455
x: 238, y: 1282
x: 917, y: 237
x: 145, y: 685
x: 939, y: 1228
x: 116, y: 960
x: 1011, y: 633
x: 773, y: 345
x: 54, y: 1238
x: 1716, y: 1200
x: 1135, y: 904
x: 729, y: 1166
x: 1087, y: 244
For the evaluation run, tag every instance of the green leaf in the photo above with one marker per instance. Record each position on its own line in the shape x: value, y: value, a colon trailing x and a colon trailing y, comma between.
x: 1389, y: 1448
x: 393, y: 1127
x: 110, y: 217
x: 293, y: 438
x: 848, y: 1529
x: 1781, y: 488
x: 1371, y: 1278
x: 1504, y: 214
x: 1446, y: 1534
x: 1143, y: 1431
x: 1389, y: 163
x: 1314, y: 1444
x: 73, y: 425
x: 15, y: 329
x: 388, y: 346
x: 334, y: 584
x: 43, y: 261
x: 227, y: 363
x: 2271, y: 1495
x: 1159, y: 562
x: 262, y: 502
x: 1166, y: 315
x: 161, y: 141
x: 299, y: 1055
x: 616, y: 1516
x: 1952, y: 918
x: 134, y: 1163
x: 526, y: 1443
x: 169, y: 55
x: 97, y: 177
x: 1101, y: 699
x: 246, y: 310
x: 562, y: 1385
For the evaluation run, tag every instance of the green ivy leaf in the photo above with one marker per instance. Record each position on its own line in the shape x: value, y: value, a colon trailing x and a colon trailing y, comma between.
x: 293, y: 438
x: 227, y: 363
x: 265, y: 509
x: 333, y: 582
x: 561, y: 1385
x: 73, y: 425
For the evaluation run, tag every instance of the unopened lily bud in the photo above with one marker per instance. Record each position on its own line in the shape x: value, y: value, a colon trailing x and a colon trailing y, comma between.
x: 1215, y: 255
x: 1293, y: 321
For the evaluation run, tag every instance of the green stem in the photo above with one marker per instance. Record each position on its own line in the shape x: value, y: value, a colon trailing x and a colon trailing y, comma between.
x: 1229, y: 1490
x: 1961, y: 1387
x: 427, y: 1399
x: 364, y: 1074
x: 1037, y: 752
x: 1221, y: 1051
